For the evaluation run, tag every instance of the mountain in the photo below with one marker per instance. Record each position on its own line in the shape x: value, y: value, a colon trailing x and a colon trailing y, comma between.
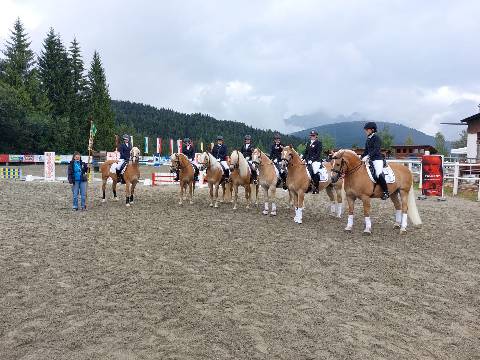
x: 350, y: 133
x: 142, y: 120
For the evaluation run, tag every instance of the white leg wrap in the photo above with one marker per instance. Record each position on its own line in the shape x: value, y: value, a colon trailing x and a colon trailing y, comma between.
x: 404, y: 221
x: 368, y: 222
x: 274, y: 207
x: 333, y: 207
x: 266, y: 206
x: 300, y: 215
x: 398, y: 216
x: 339, y: 210
x: 350, y: 221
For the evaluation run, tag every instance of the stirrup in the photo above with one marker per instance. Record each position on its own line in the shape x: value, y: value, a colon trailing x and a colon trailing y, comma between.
x: 385, y: 196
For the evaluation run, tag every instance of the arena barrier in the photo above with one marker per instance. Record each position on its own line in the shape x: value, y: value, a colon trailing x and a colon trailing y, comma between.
x: 167, y: 179
x: 10, y: 173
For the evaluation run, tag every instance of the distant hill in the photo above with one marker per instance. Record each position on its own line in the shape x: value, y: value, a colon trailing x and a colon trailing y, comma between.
x: 144, y: 120
x: 351, y: 133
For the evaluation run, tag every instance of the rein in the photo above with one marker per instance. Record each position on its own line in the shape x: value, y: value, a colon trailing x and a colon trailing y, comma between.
x: 347, y: 171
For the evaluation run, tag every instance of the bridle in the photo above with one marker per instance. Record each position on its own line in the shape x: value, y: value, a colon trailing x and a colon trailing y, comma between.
x: 237, y: 165
x: 259, y: 161
x: 206, y: 164
x: 134, y: 158
x: 341, y: 172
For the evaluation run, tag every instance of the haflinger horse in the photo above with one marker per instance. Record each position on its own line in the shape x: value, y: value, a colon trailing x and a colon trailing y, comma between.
x: 299, y: 183
x: 131, y: 176
x: 186, y: 175
x: 268, y: 179
x: 359, y: 186
x: 241, y: 176
x: 215, y: 178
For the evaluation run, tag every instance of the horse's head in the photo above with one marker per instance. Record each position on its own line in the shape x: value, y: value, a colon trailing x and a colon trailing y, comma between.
x: 234, y: 159
x: 256, y: 157
x: 174, y: 162
x: 287, y: 155
x: 135, y: 155
x: 204, y: 161
x: 344, y: 162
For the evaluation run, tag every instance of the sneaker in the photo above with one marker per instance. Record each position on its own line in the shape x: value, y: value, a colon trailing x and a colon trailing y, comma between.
x: 84, y: 209
x: 74, y: 209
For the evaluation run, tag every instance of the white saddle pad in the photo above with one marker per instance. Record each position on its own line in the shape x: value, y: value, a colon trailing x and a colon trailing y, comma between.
x: 113, y: 168
x: 323, y: 174
x: 387, y: 172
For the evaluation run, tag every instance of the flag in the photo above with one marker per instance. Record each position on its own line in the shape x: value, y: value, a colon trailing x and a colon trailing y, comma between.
x: 131, y: 140
x: 201, y: 146
x: 171, y: 146
x: 179, y: 146
x: 159, y: 145
x: 93, y: 130
x: 146, y: 145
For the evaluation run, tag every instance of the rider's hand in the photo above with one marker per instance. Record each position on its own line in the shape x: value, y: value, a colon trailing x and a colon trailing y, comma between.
x: 309, y: 162
x: 275, y: 161
x: 365, y: 158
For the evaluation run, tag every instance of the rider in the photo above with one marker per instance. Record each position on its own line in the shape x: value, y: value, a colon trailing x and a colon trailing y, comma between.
x: 276, y: 157
x: 246, y: 150
x: 373, y: 153
x: 220, y: 152
x: 124, y: 150
x: 189, y: 150
x: 312, y: 156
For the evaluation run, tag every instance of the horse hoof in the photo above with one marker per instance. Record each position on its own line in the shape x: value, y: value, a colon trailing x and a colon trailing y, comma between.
x: 234, y: 208
x: 248, y: 206
x: 348, y: 229
x: 191, y: 202
x: 131, y: 202
x: 396, y: 226
x: 403, y: 231
x: 128, y: 205
x: 211, y: 205
x: 273, y: 213
x: 115, y: 199
x: 265, y: 212
x: 216, y: 206
x: 180, y: 203
x: 103, y: 200
x: 367, y: 232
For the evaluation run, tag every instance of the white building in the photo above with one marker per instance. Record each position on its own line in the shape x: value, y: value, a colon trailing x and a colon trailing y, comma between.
x: 473, y: 137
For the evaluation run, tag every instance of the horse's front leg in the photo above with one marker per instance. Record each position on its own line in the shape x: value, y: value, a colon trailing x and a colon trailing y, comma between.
x: 216, y: 195
x: 366, y: 213
x: 300, y: 204
x: 114, y: 189
x: 248, y: 194
x: 351, y: 202
x: 190, y: 190
x: 271, y: 199
x: 267, y: 200
x: 210, y: 188
x: 127, y: 193
x: 104, y: 185
x: 180, y: 194
x: 235, y: 196
x: 132, y: 191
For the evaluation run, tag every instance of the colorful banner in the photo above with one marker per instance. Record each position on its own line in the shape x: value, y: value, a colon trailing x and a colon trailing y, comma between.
x: 432, y: 175
x: 15, y: 158
x: 171, y: 146
x: 179, y: 146
x: 49, y: 166
x: 4, y: 158
x: 29, y: 158
x: 146, y: 144
x: 159, y: 145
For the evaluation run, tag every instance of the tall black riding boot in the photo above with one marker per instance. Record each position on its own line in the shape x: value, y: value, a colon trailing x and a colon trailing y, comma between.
x: 177, y: 175
x: 119, y: 176
x: 383, y: 184
x: 316, y: 181
x: 283, y: 175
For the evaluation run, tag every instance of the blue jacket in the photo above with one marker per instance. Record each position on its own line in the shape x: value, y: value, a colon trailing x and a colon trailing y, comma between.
x: 247, y: 152
x: 373, y: 147
x: 220, y: 152
x: 125, y: 151
x: 71, y: 175
x: 276, y: 152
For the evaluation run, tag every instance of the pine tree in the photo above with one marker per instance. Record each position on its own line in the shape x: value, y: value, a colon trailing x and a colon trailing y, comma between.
x: 55, y: 75
x: 79, y: 126
x: 440, y: 143
x: 409, y: 140
x: 19, y: 58
x: 387, y: 137
x: 99, y: 105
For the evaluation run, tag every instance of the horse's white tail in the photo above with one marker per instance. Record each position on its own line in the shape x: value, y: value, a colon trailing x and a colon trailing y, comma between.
x: 412, y: 208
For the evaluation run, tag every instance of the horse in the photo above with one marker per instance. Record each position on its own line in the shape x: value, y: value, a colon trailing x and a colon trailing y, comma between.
x: 131, y: 176
x: 186, y: 177
x: 358, y: 185
x: 241, y: 176
x: 298, y: 183
x: 268, y: 179
x: 215, y: 178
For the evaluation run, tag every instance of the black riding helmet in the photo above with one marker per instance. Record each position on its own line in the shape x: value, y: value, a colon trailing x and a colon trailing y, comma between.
x: 276, y: 137
x: 370, y: 125
x: 219, y: 137
x: 186, y: 140
x: 247, y: 137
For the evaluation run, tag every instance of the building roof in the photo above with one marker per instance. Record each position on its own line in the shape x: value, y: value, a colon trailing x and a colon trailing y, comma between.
x: 471, y: 118
x: 414, y: 146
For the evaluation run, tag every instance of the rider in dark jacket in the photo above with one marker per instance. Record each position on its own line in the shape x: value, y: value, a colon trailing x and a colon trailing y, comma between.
x: 220, y: 152
x: 188, y: 149
x: 373, y: 154
x: 313, y: 158
x: 246, y: 150
x: 125, y: 148
x: 276, y: 157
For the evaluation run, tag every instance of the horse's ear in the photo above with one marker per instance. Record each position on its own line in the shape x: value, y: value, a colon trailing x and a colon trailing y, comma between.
x: 291, y: 146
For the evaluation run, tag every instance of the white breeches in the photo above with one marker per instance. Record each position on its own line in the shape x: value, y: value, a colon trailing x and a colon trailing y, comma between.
x: 316, y: 166
x: 378, y: 165
x: 224, y: 165
x: 120, y: 163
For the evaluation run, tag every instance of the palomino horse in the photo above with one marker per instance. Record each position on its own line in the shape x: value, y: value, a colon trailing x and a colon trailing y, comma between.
x: 186, y: 175
x: 131, y: 176
x: 241, y: 176
x: 267, y: 179
x: 298, y: 183
x: 207, y: 161
x: 359, y: 186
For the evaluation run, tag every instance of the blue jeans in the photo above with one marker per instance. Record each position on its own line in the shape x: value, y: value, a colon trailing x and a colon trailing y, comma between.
x: 82, y: 186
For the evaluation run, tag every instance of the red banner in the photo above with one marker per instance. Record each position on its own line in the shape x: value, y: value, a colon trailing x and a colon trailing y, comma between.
x: 3, y: 158
x: 432, y: 175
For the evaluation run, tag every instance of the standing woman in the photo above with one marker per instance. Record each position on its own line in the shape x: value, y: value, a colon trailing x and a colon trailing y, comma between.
x: 77, y: 176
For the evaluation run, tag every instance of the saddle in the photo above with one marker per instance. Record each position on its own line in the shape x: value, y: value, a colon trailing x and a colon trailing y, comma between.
x: 387, y: 172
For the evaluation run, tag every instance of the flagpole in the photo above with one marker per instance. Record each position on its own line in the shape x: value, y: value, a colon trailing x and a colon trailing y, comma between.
x: 90, y: 146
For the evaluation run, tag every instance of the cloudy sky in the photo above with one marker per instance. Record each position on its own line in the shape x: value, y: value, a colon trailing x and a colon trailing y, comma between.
x: 410, y: 62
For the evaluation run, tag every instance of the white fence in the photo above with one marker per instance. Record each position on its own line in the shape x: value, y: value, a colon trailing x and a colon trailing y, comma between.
x: 451, y: 170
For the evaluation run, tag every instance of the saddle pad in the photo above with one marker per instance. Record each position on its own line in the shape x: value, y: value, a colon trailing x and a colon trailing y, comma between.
x: 323, y: 174
x: 387, y: 172
x: 113, y: 168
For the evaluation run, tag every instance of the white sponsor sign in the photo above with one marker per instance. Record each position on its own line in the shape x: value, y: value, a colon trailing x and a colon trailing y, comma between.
x: 113, y: 155
x: 49, y: 166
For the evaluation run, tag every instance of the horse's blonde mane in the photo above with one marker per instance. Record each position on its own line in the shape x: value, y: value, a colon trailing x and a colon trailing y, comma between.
x: 214, y: 164
x: 242, y: 163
